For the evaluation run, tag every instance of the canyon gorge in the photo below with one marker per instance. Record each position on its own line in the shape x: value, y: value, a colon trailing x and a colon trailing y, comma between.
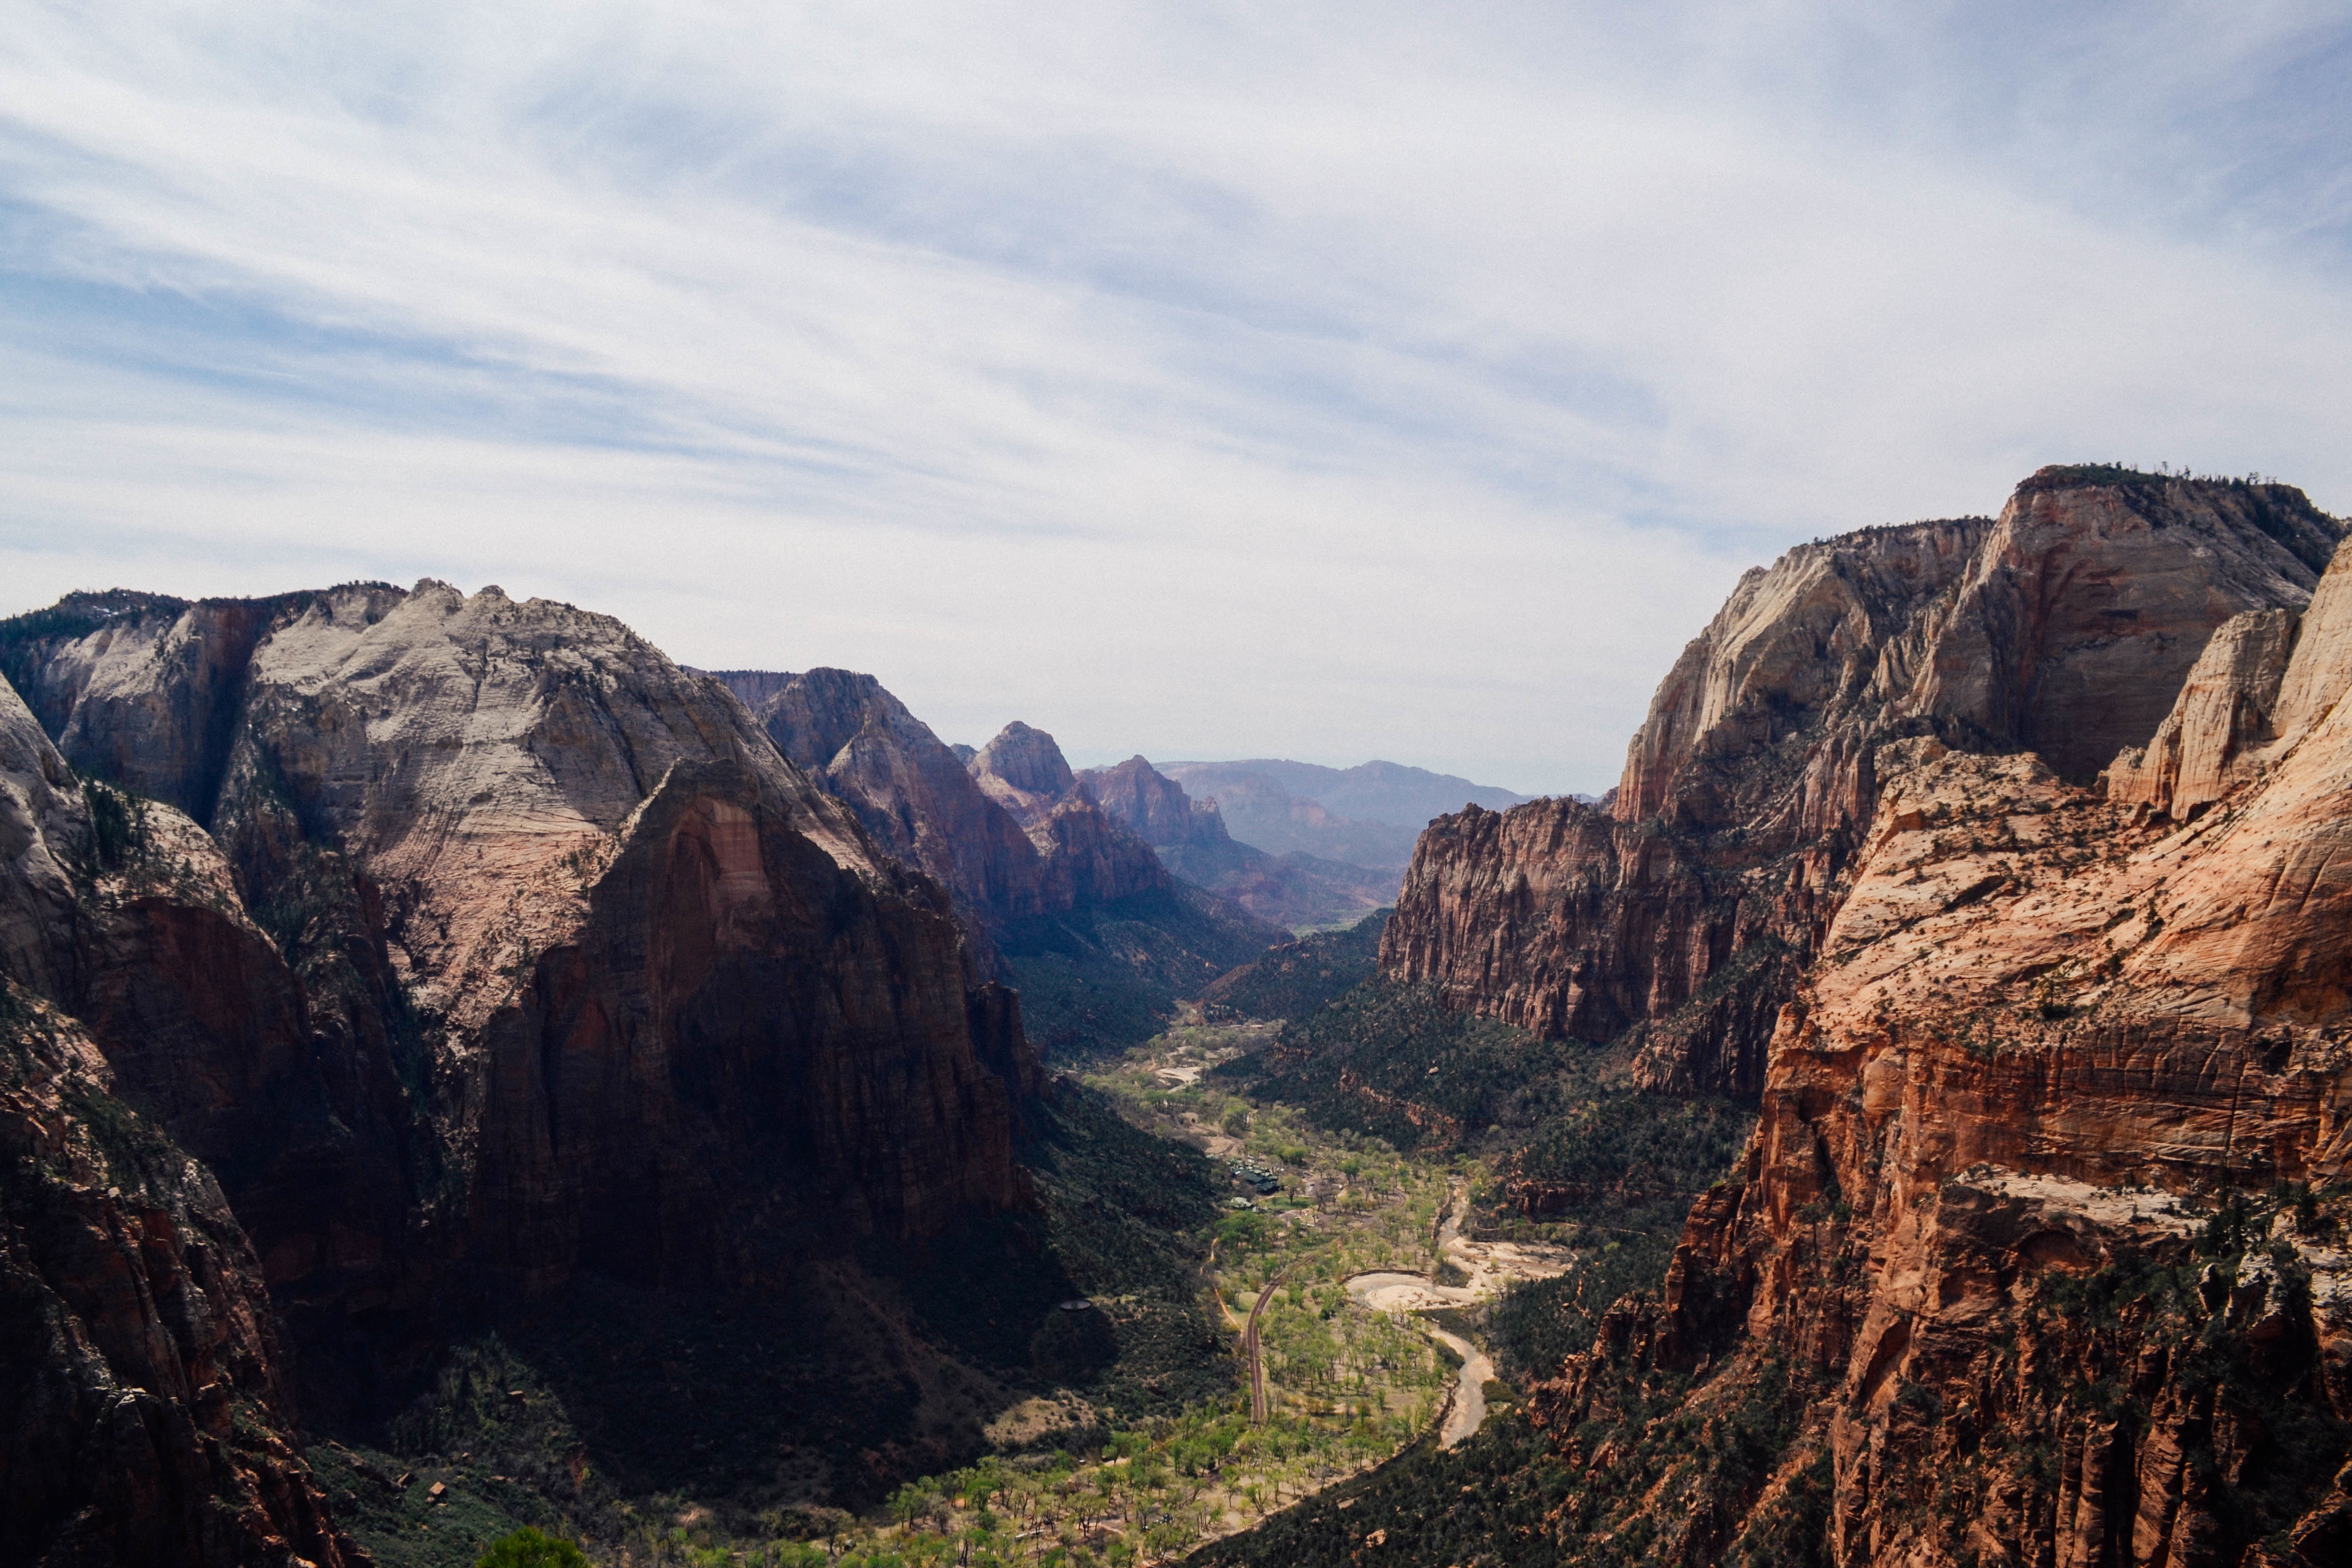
x: 399, y: 980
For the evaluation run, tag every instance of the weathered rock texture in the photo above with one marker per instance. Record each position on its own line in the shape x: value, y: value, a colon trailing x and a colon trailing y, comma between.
x: 1688, y: 907
x: 474, y: 942
x: 142, y: 1416
x: 2033, y: 1259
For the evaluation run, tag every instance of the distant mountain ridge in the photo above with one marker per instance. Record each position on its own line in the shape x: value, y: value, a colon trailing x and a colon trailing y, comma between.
x: 1370, y: 814
x: 1303, y: 892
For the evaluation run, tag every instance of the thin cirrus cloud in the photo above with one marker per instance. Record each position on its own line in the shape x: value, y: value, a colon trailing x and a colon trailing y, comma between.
x: 1209, y: 380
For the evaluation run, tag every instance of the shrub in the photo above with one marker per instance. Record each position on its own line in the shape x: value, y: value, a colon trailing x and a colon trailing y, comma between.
x: 530, y: 1548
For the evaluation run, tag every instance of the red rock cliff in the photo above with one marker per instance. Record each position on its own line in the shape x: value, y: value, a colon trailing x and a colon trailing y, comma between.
x: 2038, y: 1253
x: 142, y: 1416
x: 1688, y: 908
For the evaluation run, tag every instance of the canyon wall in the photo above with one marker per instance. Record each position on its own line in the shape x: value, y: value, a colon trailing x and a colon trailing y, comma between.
x: 910, y: 792
x: 1060, y: 894
x: 471, y: 943
x: 2042, y: 1252
x: 1686, y: 905
x: 143, y: 1414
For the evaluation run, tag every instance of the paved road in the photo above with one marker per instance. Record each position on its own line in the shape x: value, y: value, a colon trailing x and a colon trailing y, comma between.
x: 1258, y: 1411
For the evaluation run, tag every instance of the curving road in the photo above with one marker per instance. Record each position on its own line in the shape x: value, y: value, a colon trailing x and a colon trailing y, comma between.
x: 1258, y: 1410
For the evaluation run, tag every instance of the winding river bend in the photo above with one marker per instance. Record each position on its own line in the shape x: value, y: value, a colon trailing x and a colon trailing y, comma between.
x: 1489, y: 1267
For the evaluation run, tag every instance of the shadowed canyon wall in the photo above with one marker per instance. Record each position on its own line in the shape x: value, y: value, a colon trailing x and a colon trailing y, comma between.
x: 469, y: 944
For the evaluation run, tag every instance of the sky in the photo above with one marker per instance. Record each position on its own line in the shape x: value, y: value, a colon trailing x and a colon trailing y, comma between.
x: 1203, y: 380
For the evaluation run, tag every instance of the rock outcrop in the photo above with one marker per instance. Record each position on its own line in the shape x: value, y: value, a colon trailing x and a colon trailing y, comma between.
x: 911, y: 794
x: 472, y: 942
x: 1690, y: 905
x: 2037, y: 1254
x: 1023, y: 771
x: 1091, y: 856
x: 143, y: 1414
x: 1157, y: 807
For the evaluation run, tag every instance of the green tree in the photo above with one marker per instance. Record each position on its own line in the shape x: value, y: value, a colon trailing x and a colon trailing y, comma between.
x: 528, y: 1547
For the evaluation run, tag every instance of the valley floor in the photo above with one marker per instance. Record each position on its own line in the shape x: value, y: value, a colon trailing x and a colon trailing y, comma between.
x: 1309, y: 1177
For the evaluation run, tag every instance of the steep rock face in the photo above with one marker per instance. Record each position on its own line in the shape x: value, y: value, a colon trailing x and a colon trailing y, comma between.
x: 1091, y: 857
x: 45, y: 824
x: 146, y: 689
x: 735, y: 1024
x: 2223, y: 713
x: 144, y: 1419
x: 1023, y: 771
x: 1689, y: 907
x: 910, y: 792
x: 1057, y: 894
x: 1995, y: 1227
x: 1155, y: 806
x: 420, y: 797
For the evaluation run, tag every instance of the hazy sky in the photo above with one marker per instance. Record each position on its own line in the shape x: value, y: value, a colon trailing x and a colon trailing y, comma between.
x: 1203, y: 380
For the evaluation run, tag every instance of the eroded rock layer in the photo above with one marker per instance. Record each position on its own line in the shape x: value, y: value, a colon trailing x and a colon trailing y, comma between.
x: 472, y: 942
x: 1688, y: 903
x: 2041, y: 1253
x: 143, y: 1414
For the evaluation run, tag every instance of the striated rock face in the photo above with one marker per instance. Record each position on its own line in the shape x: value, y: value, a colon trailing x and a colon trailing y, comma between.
x: 490, y: 919
x: 1688, y: 907
x: 2032, y: 1253
x: 143, y: 1418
